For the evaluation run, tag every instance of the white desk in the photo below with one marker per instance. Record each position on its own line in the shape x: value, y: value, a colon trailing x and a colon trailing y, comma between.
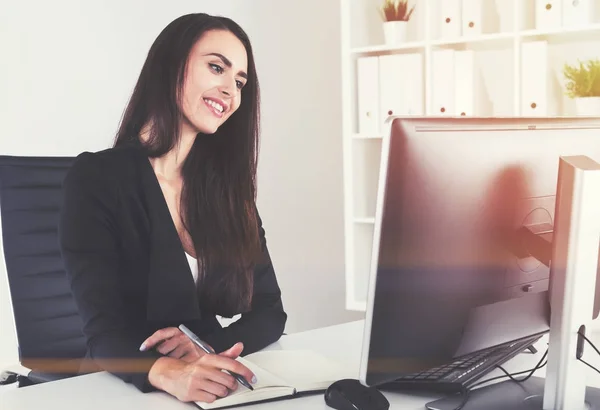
x: 102, y: 391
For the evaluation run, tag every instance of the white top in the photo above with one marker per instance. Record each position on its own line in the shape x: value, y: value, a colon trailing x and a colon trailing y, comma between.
x: 193, y: 266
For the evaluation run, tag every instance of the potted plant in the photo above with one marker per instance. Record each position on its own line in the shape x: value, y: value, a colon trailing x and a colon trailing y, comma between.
x: 395, y: 15
x: 583, y: 85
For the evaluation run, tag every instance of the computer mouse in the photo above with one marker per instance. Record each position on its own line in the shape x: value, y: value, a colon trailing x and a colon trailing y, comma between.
x: 351, y: 394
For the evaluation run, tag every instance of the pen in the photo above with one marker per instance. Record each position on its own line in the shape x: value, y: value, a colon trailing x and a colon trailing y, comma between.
x: 202, y: 345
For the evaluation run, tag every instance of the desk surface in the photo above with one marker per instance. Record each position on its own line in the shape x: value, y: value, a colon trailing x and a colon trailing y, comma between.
x: 101, y: 391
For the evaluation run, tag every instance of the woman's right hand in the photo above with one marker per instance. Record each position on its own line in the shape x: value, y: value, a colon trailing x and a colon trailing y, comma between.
x: 202, y: 380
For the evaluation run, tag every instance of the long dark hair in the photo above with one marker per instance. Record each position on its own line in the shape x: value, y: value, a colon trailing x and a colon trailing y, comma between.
x: 219, y: 174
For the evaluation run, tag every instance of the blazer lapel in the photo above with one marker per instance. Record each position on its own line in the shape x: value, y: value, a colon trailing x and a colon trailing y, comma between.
x: 172, y: 295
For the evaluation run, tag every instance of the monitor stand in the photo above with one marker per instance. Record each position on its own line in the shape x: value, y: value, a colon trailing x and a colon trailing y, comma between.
x: 527, y: 395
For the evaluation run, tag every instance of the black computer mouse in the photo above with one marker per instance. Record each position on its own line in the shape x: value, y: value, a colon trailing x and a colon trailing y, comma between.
x: 351, y: 394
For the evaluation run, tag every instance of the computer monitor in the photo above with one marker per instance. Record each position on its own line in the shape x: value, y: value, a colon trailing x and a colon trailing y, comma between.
x: 449, y: 274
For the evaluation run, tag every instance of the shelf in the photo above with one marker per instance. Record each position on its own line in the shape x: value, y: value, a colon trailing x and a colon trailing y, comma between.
x: 485, y: 40
x: 365, y: 220
x: 359, y: 306
x: 575, y: 33
x: 563, y: 34
x: 495, y: 65
x: 366, y: 137
x: 366, y: 155
x: 362, y: 250
x: 388, y: 49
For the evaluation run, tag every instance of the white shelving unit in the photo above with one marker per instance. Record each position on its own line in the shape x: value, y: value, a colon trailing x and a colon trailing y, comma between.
x: 462, y: 57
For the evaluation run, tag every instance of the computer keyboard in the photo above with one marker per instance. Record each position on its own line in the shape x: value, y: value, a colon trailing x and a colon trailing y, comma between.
x: 461, y: 372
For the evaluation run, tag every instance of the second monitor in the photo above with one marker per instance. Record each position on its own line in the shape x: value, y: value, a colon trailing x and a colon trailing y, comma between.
x: 450, y: 274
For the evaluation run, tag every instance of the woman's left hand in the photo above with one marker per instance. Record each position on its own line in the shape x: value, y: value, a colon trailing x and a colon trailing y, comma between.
x: 171, y: 342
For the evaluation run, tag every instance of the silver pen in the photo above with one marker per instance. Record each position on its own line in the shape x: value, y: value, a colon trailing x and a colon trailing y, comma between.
x: 204, y: 346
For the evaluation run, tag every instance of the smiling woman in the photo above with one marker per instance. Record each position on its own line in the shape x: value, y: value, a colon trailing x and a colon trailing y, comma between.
x: 162, y: 229
x: 219, y: 94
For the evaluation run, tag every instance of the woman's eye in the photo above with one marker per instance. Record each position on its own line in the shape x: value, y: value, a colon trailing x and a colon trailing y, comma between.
x: 216, y: 68
x: 239, y: 84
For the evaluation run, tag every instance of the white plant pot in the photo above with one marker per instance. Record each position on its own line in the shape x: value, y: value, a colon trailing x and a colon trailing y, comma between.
x: 588, y: 106
x: 395, y: 32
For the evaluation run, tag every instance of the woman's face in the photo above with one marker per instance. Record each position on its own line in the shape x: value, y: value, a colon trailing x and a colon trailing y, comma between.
x: 216, y: 73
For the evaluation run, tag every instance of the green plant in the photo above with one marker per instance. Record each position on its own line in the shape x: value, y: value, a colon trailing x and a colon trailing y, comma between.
x: 583, y: 79
x: 396, y: 10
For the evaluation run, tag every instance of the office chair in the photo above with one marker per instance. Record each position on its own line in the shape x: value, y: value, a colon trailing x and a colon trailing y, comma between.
x: 49, y: 330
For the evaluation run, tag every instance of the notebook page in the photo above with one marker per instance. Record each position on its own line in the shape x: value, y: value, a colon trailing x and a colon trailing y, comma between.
x: 264, y: 378
x: 249, y: 397
x: 303, y: 369
x: 267, y: 386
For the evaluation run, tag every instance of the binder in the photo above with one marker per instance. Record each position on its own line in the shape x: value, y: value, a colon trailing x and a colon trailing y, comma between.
x: 367, y: 77
x: 548, y: 14
x: 391, y: 86
x: 415, y: 84
x: 470, y: 94
x: 464, y: 82
x: 472, y: 17
x: 401, y: 85
x: 442, y: 82
x: 578, y: 12
x: 449, y: 12
x: 537, y: 89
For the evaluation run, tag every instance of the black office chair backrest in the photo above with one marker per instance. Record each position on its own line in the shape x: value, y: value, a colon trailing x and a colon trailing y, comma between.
x: 48, y: 327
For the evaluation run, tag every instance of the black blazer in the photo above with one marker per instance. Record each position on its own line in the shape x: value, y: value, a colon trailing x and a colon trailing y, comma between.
x: 128, y: 271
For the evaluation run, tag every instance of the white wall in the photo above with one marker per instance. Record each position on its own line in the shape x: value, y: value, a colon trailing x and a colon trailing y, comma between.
x: 301, y: 180
x: 68, y: 68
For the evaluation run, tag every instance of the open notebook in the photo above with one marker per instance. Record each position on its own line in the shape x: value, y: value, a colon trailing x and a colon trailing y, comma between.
x: 281, y: 374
